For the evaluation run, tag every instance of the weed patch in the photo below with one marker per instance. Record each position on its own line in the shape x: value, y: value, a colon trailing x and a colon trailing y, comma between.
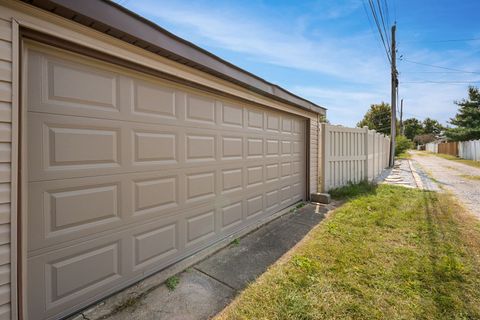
x: 172, y: 282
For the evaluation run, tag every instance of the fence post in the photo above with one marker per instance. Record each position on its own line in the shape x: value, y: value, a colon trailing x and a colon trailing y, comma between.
x: 323, y: 156
x: 366, y: 151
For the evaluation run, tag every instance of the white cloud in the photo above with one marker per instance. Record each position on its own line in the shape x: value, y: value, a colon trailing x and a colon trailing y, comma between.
x: 353, y: 65
x: 344, y: 106
x: 342, y: 58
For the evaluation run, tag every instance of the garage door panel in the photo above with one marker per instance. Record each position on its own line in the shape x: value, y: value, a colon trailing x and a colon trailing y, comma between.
x: 85, y: 86
x: 62, y: 84
x: 255, y: 119
x: 200, y: 227
x: 155, y: 147
x: 231, y: 180
x: 155, y: 194
x: 273, y: 122
x: 57, y: 280
x: 62, y: 210
x: 200, y: 109
x: 200, y: 147
x: 254, y: 176
x: 134, y: 197
x: 141, y: 174
x: 153, y: 100
x: 232, y: 215
x: 152, y: 246
x: 200, y: 186
x: 232, y: 116
x: 146, y: 99
x: 255, y: 205
x: 231, y: 147
x: 272, y: 199
x: 272, y: 147
x: 69, y: 147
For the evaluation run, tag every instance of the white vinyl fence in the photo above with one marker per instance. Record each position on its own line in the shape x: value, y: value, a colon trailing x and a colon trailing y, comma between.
x: 469, y: 150
x: 351, y: 155
x: 431, y: 147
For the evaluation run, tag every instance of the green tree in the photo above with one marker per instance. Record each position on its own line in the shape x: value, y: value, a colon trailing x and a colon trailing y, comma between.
x: 431, y: 126
x: 402, y: 144
x: 412, y: 127
x: 467, y: 120
x: 377, y: 118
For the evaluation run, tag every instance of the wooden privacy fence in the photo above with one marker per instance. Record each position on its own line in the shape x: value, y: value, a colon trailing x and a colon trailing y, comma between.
x: 469, y: 150
x: 351, y: 155
x: 450, y: 148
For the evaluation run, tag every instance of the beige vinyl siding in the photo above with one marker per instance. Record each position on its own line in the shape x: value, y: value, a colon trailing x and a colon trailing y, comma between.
x: 5, y: 160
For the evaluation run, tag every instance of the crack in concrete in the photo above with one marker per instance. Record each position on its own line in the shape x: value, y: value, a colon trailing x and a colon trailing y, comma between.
x: 305, y: 224
x: 218, y: 280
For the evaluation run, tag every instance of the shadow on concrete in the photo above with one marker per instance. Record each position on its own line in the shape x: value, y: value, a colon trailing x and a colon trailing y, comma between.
x: 209, y: 286
x: 237, y: 265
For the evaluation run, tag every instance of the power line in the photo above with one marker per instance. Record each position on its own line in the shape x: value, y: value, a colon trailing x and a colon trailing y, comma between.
x: 438, y: 72
x: 379, y: 28
x: 387, y: 11
x: 371, y: 26
x: 383, y: 22
x: 442, y: 82
x: 442, y: 41
x: 440, y: 67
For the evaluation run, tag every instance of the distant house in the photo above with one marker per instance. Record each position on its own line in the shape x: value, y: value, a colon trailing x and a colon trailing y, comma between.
x: 125, y: 149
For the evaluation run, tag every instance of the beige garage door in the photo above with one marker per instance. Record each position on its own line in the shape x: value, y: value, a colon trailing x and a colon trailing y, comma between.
x: 128, y: 174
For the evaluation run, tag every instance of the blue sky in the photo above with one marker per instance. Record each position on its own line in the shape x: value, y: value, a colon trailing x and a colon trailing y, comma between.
x: 327, y: 51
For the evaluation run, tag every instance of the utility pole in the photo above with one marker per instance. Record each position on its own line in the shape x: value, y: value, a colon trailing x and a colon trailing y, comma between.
x: 393, y: 120
x: 402, y: 130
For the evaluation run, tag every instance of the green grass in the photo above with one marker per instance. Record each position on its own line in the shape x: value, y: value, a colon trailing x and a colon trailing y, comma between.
x: 471, y: 163
x: 404, y: 155
x: 235, y: 242
x: 470, y: 177
x: 352, y: 190
x: 172, y: 282
x: 389, y: 253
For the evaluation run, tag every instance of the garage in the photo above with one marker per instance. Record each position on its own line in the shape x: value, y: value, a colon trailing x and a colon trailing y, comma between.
x: 128, y: 173
x: 127, y: 151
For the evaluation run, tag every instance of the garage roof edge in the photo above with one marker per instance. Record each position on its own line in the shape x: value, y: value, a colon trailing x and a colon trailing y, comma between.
x: 115, y: 20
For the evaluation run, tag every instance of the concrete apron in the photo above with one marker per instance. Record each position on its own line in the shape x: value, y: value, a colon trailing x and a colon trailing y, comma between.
x: 205, y: 288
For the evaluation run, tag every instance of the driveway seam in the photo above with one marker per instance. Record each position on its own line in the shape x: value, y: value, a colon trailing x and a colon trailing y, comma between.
x: 218, y: 280
x: 303, y: 224
x: 416, y: 177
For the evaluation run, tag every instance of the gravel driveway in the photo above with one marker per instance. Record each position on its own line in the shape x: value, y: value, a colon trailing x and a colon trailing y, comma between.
x: 462, y: 180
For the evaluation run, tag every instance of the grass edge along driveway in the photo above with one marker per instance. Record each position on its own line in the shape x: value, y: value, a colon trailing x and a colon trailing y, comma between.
x: 471, y: 163
x: 388, y: 253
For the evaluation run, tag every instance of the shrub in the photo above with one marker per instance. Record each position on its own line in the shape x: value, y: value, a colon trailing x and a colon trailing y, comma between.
x: 402, y: 144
